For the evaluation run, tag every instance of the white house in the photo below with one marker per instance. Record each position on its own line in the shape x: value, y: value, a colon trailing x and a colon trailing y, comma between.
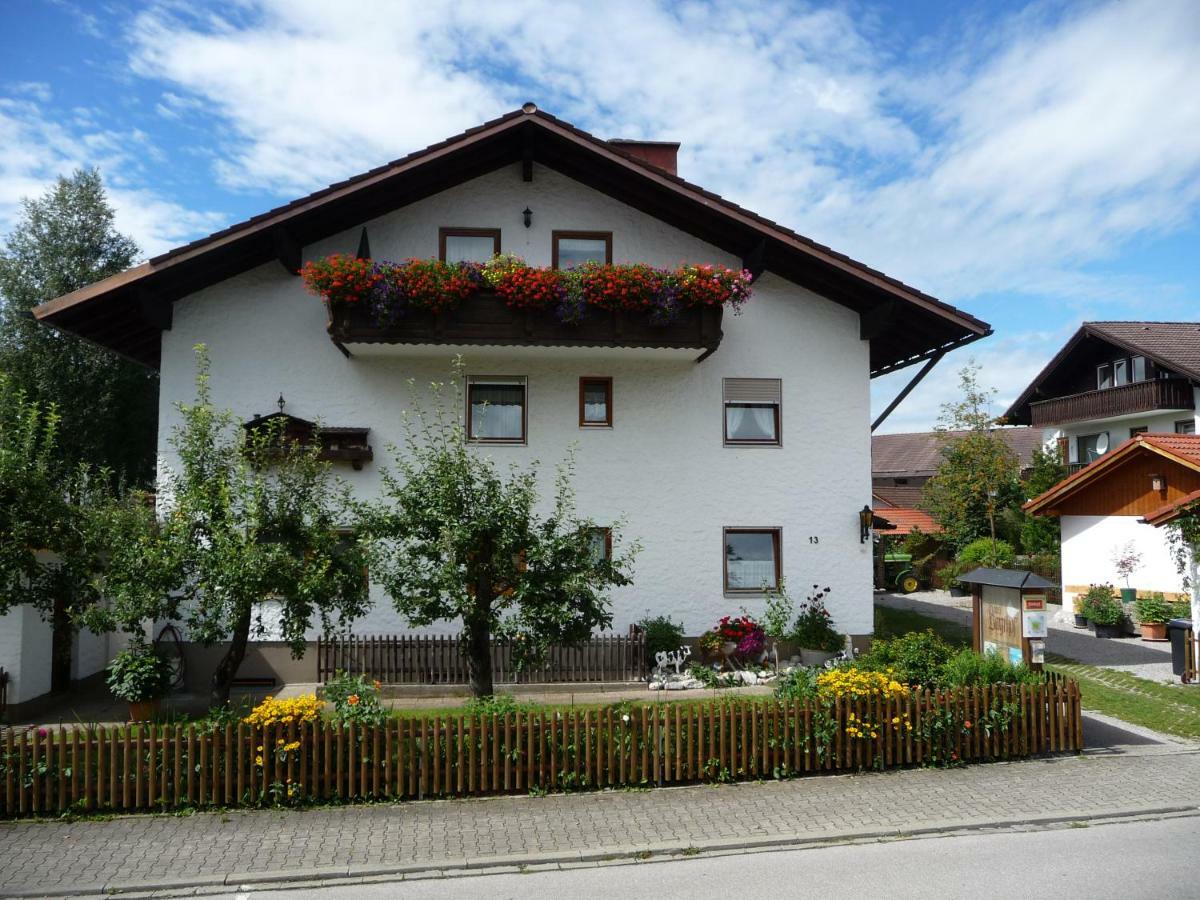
x: 736, y: 448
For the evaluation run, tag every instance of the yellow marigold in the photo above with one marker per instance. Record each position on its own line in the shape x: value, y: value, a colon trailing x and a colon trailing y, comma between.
x: 272, y: 711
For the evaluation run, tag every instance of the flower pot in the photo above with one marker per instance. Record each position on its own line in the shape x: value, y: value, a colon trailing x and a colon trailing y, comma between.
x: 1081, y: 621
x: 144, y: 710
x: 1128, y: 595
x: 729, y: 648
x: 815, y: 657
x: 1107, y: 631
x: 1154, y: 631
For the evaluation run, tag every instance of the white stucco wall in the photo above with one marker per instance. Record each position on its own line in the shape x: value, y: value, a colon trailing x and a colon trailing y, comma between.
x: 662, y: 466
x: 1089, y: 544
x: 25, y: 653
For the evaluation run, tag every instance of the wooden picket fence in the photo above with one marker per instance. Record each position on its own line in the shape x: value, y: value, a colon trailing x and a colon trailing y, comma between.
x: 438, y: 659
x: 1190, y: 673
x: 149, y: 767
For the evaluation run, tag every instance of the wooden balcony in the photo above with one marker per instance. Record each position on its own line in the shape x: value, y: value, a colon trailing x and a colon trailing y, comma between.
x: 1126, y: 400
x: 484, y: 320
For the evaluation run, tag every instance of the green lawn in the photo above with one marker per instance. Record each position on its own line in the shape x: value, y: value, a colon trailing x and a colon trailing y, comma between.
x: 1170, y: 709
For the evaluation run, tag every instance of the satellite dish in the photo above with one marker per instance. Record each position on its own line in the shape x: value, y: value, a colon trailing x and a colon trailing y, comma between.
x: 1102, y: 444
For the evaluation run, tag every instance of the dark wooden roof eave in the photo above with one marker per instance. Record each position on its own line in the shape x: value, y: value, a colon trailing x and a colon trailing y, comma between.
x: 930, y: 326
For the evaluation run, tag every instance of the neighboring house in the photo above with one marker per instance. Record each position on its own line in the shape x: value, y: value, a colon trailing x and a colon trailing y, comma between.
x: 735, y: 454
x: 1103, y: 507
x: 1111, y: 381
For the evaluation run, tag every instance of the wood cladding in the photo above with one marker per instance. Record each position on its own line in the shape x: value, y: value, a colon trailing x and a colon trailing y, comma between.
x: 1125, y: 489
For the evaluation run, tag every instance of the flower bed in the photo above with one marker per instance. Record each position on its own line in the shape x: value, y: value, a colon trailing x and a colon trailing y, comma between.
x: 393, y: 290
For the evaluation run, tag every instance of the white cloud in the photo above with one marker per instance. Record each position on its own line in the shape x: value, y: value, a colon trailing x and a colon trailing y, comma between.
x: 37, y: 149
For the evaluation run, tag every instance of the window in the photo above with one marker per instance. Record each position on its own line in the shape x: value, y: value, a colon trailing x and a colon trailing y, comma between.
x: 1185, y: 426
x: 1121, y: 371
x: 468, y: 244
x: 1092, y: 446
x: 601, y: 543
x: 573, y: 248
x: 751, y: 411
x: 751, y: 559
x: 1104, y: 376
x: 1138, y: 429
x: 595, y: 402
x: 496, y: 410
x: 1139, y: 368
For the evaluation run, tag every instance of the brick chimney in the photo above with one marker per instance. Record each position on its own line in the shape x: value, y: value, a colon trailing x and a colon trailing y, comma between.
x: 660, y: 154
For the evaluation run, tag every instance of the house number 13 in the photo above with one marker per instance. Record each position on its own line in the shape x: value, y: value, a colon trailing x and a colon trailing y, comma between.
x: 813, y: 539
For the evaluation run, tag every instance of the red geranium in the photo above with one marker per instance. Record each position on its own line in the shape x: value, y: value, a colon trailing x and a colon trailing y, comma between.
x: 529, y: 288
x: 340, y: 278
x: 628, y: 287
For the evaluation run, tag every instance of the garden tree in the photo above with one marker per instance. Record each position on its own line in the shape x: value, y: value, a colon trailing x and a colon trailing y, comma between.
x: 47, y: 541
x: 979, y: 476
x: 246, y: 518
x: 1041, y: 534
x: 454, y: 538
x: 107, y: 405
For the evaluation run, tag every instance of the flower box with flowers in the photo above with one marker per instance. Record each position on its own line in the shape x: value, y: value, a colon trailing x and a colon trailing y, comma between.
x: 508, y: 303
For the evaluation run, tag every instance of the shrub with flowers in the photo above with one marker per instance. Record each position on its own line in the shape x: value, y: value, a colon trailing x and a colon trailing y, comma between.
x: 428, y: 284
x: 356, y: 698
x: 743, y: 631
x: 814, y: 626
x: 290, y: 711
x: 859, y: 684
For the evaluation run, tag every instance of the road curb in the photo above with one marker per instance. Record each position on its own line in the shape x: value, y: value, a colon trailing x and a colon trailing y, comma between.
x: 333, y: 876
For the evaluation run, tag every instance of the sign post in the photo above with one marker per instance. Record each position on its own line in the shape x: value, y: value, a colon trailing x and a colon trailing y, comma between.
x: 1009, y: 614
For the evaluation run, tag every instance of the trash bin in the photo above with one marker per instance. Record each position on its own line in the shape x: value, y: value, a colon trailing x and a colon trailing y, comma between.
x: 1178, y: 630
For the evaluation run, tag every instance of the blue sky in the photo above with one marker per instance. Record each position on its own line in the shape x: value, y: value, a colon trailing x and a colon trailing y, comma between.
x: 1036, y: 164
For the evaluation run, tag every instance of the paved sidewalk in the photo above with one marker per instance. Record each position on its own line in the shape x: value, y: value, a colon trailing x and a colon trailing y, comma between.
x: 435, y: 836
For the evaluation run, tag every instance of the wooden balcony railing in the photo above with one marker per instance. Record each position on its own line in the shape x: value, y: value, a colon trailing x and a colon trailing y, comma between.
x: 1128, y: 399
x: 485, y: 319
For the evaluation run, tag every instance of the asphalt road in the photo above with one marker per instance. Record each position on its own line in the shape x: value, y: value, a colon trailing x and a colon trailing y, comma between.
x: 1120, y: 861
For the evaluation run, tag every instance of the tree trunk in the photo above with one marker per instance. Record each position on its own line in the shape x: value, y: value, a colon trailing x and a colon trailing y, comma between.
x: 477, y: 641
x: 227, y: 668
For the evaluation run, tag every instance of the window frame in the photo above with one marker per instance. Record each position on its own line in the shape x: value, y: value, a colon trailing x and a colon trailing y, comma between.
x: 776, y: 533
x: 1120, y: 372
x: 1079, y: 439
x: 1185, y: 423
x: 448, y: 232
x: 777, y: 408
x: 556, y: 236
x: 1135, y: 430
x: 608, y: 539
x: 1100, y: 369
x: 1133, y: 369
x: 607, y: 381
x: 495, y: 380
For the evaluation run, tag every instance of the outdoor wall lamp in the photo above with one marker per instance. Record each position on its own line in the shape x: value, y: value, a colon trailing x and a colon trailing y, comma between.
x: 865, y: 515
x: 528, y: 214
x: 1158, y: 483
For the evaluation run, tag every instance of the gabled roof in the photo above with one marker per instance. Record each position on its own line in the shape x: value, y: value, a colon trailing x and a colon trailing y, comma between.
x: 1171, y: 511
x: 1009, y: 578
x: 127, y: 312
x: 920, y: 452
x: 1171, y: 345
x: 1183, y: 449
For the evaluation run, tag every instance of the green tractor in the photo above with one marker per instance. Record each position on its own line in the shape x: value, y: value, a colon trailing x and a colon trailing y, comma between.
x: 898, y: 572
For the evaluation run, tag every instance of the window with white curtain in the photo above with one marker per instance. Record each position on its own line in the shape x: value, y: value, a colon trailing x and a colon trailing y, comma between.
x: 595, y: 402
x: 752, y: 411
x: 751, y: 559
x: 496, y: 410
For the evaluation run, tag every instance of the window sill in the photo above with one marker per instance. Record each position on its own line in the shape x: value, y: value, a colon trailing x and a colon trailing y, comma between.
x: 777, y: 444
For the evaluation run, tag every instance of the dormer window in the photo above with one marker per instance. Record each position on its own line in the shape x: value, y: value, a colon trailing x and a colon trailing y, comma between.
x: 1139, y: 368
x: 1120, y: 372
x: 574, y: 248
x: 1104, y: 376
x: 468, y: 244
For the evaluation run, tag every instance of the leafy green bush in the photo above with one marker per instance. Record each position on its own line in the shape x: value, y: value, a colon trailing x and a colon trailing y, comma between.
x: 355, y: 698
x: 970, y: 669
x: 985, y: 552
x: 799, y: 684
x: 712, y: 678
x: 1181, y: 609
x: 139, y: 673
x: 1101, y: 605
x: 1153, y: 610
x: 814, y: 626
x: 496, y: 705
x: 662, y: 635
x: 916, y: 657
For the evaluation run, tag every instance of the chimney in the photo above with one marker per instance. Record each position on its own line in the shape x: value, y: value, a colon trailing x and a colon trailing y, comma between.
x: 660, y: 154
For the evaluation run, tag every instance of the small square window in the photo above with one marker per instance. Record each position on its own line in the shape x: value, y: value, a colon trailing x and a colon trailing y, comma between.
x: 496, y: 410
x: 574, y: 248
x: 595, y: 402
x: 601, y: 540
x: 751, y: 559
x: 468, y: 244
x: 752, y: 411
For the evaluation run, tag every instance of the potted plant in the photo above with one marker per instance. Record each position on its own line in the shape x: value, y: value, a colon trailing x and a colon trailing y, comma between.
x: 814, y: 633
x: 141, y: 676
x: 776, y: 617
x: 1153, y: 613
x: 1104, y: 611
x: 1081, y: 620
x: 1126, y: 561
